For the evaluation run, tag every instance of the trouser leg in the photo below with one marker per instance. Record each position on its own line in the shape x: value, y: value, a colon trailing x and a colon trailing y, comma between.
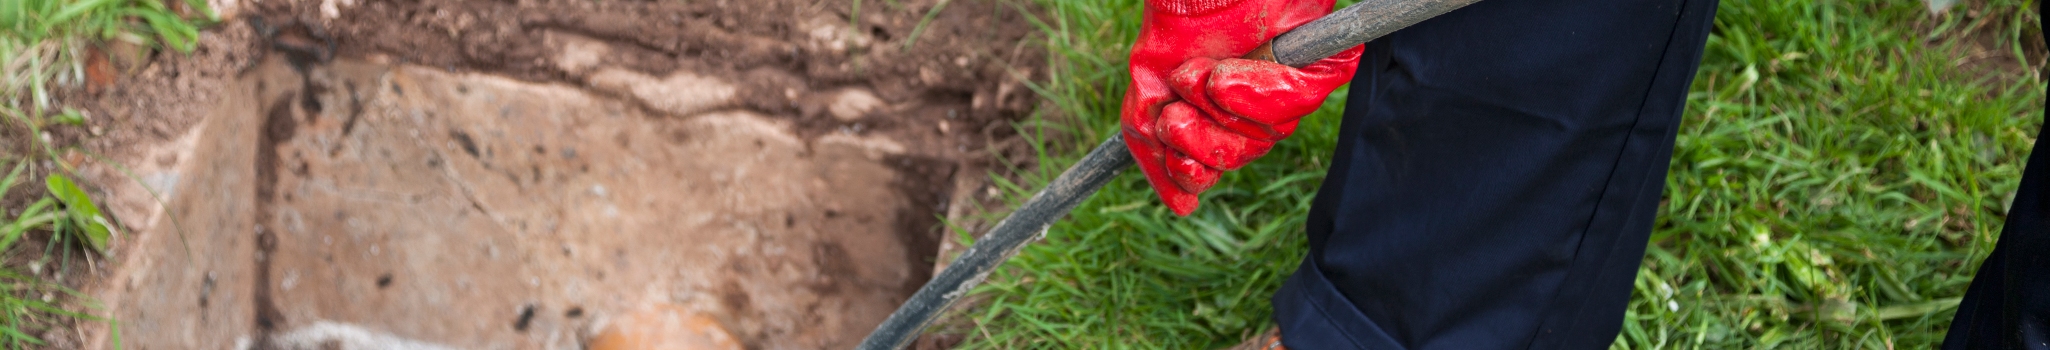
x: 1497, y: 176
x: 2008, y: 303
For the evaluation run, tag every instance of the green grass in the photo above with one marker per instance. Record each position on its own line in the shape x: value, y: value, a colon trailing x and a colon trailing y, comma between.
x: 26, y: 302
x: 1838, y: 176
x: 44, y: 42
x: 43, y: 52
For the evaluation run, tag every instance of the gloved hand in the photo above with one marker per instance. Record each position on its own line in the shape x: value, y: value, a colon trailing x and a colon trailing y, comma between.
x: 1194, y: 110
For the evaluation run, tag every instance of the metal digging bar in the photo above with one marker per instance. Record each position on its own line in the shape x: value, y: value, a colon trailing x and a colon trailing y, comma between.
x: 1305, y: 44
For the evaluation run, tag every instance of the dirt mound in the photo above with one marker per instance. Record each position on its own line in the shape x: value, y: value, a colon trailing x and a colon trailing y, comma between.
x: 491, y: 174
x: 790, y: 57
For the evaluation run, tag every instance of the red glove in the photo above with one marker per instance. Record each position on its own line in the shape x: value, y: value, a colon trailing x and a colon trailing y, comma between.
x: 1194, y: 110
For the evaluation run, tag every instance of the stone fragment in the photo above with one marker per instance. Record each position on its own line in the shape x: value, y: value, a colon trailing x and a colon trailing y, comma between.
x: 853, y: 104
x: 681, y: 93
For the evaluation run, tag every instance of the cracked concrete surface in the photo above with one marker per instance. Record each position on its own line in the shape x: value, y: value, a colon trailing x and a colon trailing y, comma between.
x: 409, y: 205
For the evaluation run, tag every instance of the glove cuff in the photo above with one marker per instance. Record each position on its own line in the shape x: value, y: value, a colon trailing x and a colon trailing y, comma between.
x: 1189, y: 7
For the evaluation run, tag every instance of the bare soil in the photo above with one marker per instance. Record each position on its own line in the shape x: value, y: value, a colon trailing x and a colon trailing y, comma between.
x: 1984, y: 52
x: 516, y: 174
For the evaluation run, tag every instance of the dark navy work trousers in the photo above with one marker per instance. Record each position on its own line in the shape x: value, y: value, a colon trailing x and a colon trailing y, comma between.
x: 1498, y: 173
x: 1496, y: 178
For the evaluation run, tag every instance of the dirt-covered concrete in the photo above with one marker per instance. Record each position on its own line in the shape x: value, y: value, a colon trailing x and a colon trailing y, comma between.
x: 488, y: 174
x: 477, y: 211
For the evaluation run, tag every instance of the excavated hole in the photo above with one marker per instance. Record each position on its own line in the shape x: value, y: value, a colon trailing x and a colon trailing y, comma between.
x: 530, y: 174
x: 476, y: 211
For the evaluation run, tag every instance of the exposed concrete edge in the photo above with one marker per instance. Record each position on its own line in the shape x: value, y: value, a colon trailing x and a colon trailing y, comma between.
x: 139, y: 202
x: 875, y: 148
x: 325, y: 335
x: 132, y: 262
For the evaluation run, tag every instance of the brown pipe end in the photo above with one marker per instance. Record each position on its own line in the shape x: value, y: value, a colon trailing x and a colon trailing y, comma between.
x: 1264, y: 53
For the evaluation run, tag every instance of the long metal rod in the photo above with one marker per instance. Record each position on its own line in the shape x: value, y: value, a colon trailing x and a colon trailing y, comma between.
x: 1308, y: 43
x: 1353, y: 25
x: 1027, y: 224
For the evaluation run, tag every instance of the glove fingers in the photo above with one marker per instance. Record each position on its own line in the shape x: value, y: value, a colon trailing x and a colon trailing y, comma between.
x: 1138, y: 115
x: 1185, y: 129
x: 1287, y: 128
x: 1255, y: 98
x: 1192, y: 82
x: 1189, y: 115
x: 1191, y: 175
x: 1189, y: 81
x: 1139, y: 119
x: 1267, y: 92
x: 1151, y: 158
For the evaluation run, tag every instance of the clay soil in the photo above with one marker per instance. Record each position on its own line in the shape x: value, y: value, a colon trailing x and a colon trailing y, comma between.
x: 519, y: 174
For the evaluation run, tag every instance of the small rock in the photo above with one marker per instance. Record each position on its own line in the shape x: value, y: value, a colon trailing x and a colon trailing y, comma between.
x: 831, y: 34
x: 853, y: 104
x: 579, y: 54
x: 680, y: 93
x: 99, y: 72
x: 928, y: 76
